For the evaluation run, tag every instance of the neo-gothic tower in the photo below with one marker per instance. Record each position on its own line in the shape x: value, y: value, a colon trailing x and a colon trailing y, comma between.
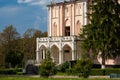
x: 65, y: 23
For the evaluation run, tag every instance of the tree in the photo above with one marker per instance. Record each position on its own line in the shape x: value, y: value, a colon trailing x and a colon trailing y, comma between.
x: 8, y: 36
x: 9, y: 40
x: 29, y: 43
x: 14, y: 58
x: 44, y: 34
x: 102, y: 34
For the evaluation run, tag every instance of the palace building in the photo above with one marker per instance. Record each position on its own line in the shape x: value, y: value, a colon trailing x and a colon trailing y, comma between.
x: 65, y: 21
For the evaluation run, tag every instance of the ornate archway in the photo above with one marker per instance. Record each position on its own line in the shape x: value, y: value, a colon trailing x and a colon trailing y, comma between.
x: 67, y: 28
x: 54, y: 28
x: 55, y: 54
x: 67, y: 53
x: 42, y: 52
x: 78, y: 27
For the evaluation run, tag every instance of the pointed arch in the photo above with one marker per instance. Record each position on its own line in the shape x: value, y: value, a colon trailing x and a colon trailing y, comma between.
x: 78, y: 27
x: 67, y: 53
x: 67, y: 27
x: 54, y: 32
x: 55, y: 54
x: 42, y: 52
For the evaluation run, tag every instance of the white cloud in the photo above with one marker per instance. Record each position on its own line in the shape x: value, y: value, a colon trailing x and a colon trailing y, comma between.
x: 24, y: 1
x: 9, y: 10
x: 38, y: 2
x: 41, y: 3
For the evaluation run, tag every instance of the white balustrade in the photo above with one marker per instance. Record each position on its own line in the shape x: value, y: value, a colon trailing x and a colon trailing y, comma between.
x: 66, y: 38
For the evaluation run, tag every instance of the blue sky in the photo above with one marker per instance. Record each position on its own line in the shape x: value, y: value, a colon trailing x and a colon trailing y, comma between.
x: 24, y: 14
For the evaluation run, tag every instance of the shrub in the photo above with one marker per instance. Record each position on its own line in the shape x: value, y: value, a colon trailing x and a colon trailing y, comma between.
x: 83, y: 67
x: 10, y: 71
x: 7, y: 71
x: 63, y: 67
x: 106, y: 71
x: 97, y: 72
x: 70, y: 71
x: 47, y: 67
x: 109, y: 71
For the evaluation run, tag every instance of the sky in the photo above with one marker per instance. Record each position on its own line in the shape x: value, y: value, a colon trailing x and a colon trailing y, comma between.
x: 24, y: 14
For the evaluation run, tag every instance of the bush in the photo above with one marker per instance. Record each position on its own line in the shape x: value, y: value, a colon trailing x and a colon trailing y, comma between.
x: 70, y: 71
x: 109, y: 71
x: 7, y: 71
x: 97, y: 72
x: 83, y: 67
x: 10, y: 71
x: 47, y: 67
x: 63, y: 67
x: 106, y: 71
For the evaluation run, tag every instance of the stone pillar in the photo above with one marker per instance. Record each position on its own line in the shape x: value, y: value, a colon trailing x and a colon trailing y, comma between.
x: 43, y: 54
x: 37, y: 56
x: 37, y: 50
x: 74, y: 49
x: 60, y: 51
x: 73, y: 54
x: 60, y: 56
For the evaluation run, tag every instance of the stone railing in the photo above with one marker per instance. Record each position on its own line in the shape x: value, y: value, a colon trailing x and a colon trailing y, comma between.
x: 66, y: 38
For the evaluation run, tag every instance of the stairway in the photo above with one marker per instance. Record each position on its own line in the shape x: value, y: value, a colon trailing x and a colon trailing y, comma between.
x: 31, y: 68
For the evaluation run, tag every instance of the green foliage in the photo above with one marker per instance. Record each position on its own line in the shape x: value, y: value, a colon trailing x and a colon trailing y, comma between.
x: 29, y: 42
x: 25, y: 45
x: 10, y: 71
x: 97, y: 72
x: 47, y: 67
x: 71, y: 71
x: 14, y: 58
x: 109, y: 71
x: 102, y: 33
x: 106, y: 71
x: 83, y: 67
x: 39, y: 78
x: 63, y: 67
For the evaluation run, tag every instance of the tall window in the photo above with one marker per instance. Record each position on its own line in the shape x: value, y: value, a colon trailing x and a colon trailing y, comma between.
x: 67, y: 30
x: 54, y: 29
x: 78, y: 26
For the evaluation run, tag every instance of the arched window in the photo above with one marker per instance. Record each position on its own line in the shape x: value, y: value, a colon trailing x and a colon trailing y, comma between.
x: 67, y: 27
x: 54, y: 29
x: 78, y: 27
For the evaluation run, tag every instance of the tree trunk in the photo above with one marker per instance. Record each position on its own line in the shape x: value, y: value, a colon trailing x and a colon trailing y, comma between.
x: 103, y: 61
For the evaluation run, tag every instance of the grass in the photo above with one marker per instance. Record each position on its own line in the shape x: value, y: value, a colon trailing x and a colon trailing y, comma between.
x: 38, y: 78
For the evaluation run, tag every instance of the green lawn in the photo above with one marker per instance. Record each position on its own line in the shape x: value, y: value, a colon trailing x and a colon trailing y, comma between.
x: 34, y: 78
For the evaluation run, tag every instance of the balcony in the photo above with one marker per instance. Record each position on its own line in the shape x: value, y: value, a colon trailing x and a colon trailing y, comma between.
x: 56, y: 39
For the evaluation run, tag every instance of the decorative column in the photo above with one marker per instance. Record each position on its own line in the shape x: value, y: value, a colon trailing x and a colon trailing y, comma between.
x: 50, y: 21
x: 60, y: 56
x: 60, y: 51
x: 73, y: 48
x: 43, y: 54
x: 37, y: 50
x: 37, y: 56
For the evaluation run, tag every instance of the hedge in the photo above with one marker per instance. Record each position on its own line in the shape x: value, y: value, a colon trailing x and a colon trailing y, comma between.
x: 106, y: 71
x: 10, y: 71
x: 97, y: 72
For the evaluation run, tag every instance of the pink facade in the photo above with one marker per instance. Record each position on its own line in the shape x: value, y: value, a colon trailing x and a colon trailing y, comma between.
x: 65, y: 24
x: 66, y: 19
